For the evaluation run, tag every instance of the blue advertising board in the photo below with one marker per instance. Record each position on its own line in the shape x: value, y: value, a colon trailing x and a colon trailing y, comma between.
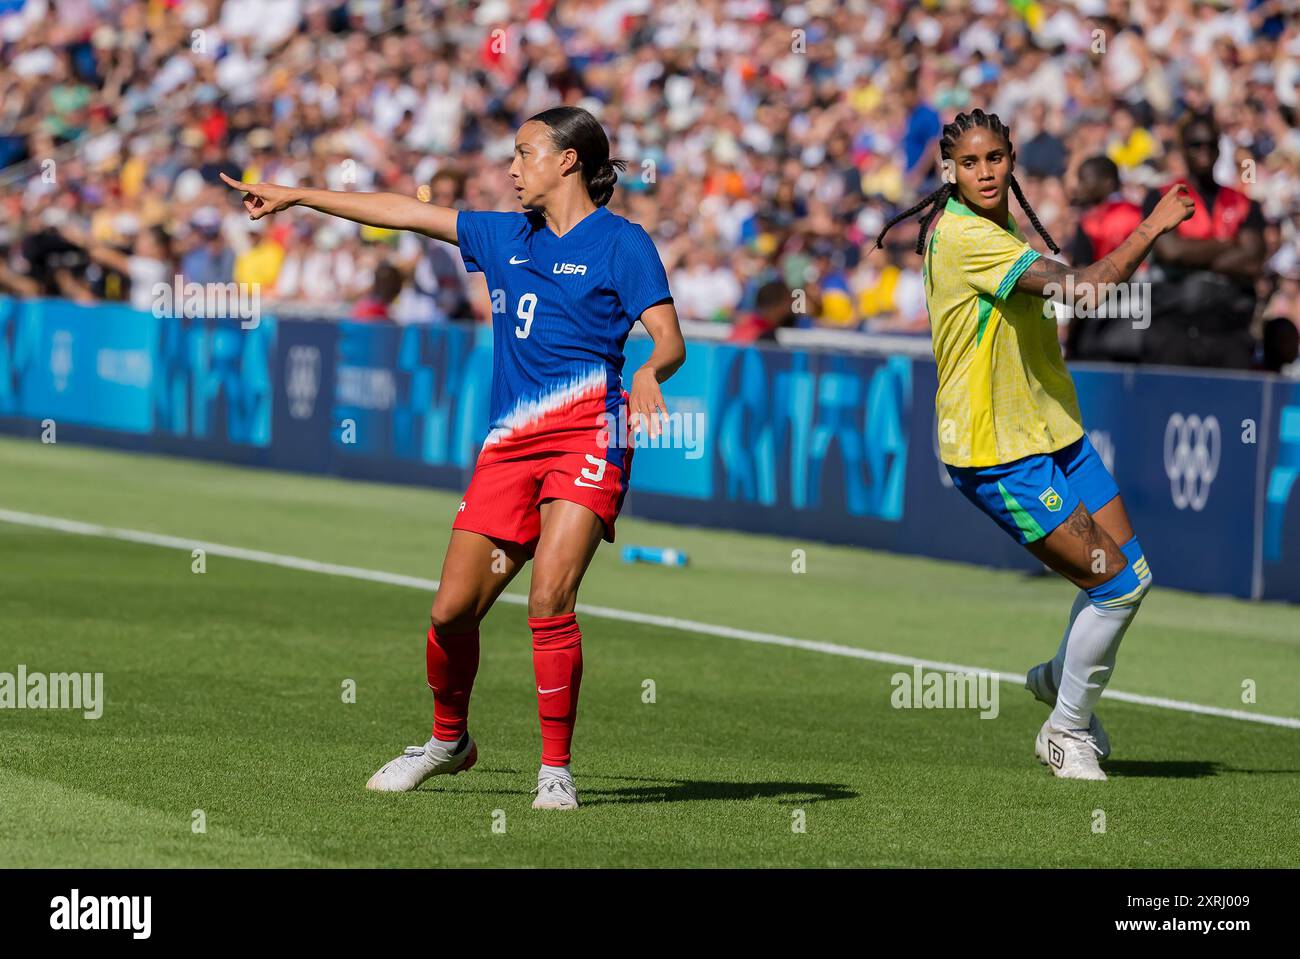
x: 1185, y: 451
x: 1279, y: 524
x: 832, y: 447
x: 120, y: 376
x: 302, y: 409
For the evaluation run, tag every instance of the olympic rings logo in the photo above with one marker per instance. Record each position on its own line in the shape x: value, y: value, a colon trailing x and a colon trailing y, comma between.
x: 1192, y: 449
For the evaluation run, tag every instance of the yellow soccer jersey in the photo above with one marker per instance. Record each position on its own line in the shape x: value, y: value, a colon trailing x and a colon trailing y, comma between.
x: 1004, y: 392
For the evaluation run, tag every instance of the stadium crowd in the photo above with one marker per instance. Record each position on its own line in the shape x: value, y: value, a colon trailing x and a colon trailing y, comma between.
x: 767, y: 142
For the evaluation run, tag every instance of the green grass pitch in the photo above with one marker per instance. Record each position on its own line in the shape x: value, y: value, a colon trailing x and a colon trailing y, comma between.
x: 224, y: 694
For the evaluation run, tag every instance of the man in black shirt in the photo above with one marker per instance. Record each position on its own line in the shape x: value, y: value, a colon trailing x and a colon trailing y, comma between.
x: 1203, y: 297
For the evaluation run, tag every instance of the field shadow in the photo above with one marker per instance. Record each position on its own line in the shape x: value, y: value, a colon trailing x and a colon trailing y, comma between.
x: 684, y: 790
x: 696, y: 790
x: 1258, y: 772
x: 1164, y: 768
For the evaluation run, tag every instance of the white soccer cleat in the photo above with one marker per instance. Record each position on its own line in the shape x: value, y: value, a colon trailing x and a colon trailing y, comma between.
x: 418, y: 763
x: 1068, y: 753
x: 555, y: 791
x: 1039, y: 682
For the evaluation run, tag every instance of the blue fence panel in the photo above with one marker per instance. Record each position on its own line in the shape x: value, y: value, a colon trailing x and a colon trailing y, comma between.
x: 1280, y: 524
x: 409, y: 404
x: 831, y: 447
x: 303, y: 375
x: 1190, y: 454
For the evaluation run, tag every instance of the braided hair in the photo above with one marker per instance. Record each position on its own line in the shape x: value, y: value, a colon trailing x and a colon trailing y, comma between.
x: 937, y: 200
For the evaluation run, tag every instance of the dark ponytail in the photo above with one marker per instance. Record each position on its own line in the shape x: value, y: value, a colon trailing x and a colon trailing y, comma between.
x: 939, y: 198
x: 573, y: 128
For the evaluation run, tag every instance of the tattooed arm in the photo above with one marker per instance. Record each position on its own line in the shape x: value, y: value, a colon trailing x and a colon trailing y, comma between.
x: 1120, y: 264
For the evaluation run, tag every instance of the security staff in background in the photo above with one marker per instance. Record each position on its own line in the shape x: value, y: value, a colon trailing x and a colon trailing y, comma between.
x: 1203, y: 295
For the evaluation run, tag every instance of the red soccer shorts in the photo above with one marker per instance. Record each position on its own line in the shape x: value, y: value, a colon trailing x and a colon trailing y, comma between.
x: 504, y: 496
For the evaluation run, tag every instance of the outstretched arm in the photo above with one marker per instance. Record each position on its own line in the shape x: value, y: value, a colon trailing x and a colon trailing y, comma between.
x: 391, y: 211
x: 1121, y: 263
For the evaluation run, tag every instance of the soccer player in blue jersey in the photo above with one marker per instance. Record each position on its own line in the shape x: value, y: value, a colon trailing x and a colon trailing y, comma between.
x: 568, y: 279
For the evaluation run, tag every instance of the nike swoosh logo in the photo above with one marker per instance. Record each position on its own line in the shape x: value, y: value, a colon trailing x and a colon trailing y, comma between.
x: 543, y: 692
x: 578, y: 482
x: 514, y: 262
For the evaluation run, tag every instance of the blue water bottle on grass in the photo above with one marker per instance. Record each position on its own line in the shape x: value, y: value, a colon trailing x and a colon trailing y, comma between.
x: 654, y: 554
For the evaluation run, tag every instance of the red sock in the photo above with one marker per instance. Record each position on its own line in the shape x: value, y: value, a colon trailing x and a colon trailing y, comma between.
x: 452, y: 662
x: 557, y: 664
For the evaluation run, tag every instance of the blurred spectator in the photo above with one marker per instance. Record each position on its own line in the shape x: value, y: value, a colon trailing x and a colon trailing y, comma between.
x: 209, y: 259
x: 891, y: 295
x: 1282, y: 313
x: 316, y: 268
x: 1281, y: 345
x: 1044, y: 154
x: 1106, y: 222
x: 1203, y: 300
x: 704, y: 287
x: 767, y: 140
x: 375, y: 305
x: 923, y: 129
x: 771, y: 312
x: 1130, y: 145
x: 148, y: 263
x: 440, y: 287
x: 261, y: 255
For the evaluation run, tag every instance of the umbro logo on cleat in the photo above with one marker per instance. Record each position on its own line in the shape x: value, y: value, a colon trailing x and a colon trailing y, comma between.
x: 1055, y: 754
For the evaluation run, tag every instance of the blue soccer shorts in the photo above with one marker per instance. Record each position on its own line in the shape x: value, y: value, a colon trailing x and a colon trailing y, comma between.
x: 1032, y: 496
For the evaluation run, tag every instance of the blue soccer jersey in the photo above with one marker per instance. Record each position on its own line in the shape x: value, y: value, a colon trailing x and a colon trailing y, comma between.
x: 562, y: 308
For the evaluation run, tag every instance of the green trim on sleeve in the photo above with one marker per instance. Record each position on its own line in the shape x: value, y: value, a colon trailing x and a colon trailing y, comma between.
x: 1009, y: 281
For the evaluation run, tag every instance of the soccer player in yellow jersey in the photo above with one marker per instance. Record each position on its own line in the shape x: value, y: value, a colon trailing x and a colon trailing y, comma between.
x: 1010, y: 432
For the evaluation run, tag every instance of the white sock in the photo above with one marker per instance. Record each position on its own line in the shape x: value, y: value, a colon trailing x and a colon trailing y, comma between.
x: 561, y: 771
x: 1091, y: 648
x: 1058, y: 661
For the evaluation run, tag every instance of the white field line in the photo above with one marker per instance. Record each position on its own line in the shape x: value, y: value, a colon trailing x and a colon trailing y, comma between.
x: 605, y: 612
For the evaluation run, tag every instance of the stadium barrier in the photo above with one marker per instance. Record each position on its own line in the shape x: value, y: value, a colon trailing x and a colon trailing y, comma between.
x: 830, y: 446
